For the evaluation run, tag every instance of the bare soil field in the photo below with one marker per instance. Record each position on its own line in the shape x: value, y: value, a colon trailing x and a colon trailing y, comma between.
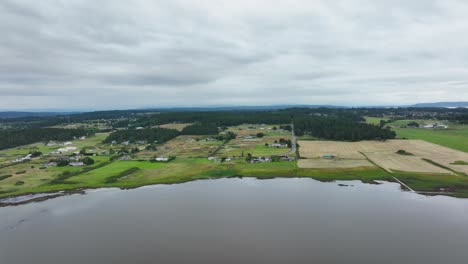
x: 391, y: 162
x: 249, y: 129
x: 329, y: 164
x: 383, y: 153
x: 185, y: 146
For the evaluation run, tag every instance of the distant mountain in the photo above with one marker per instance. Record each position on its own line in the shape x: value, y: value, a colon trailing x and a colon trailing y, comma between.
x: 442, y: 104
x: 17, y: 114
x: 241, y: 108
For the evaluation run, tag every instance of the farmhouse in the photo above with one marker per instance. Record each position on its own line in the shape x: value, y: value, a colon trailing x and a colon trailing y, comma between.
x: 125, y: 158
x: 76, y: 164
x: 162, y: 158
x: 260, y: 160
x: 66, y: 149
x: 50, y: 164
x: 278, y: 145
x: 436, y: 125
x: 26, y: 158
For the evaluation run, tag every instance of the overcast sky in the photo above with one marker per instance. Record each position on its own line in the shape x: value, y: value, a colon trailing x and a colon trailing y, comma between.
x: 88, y: 54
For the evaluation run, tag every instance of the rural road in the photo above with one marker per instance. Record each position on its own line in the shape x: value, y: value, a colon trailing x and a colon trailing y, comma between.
x: 293, y: 141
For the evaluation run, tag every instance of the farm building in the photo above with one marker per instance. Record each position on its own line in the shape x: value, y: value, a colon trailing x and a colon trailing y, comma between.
x: 162, y: 158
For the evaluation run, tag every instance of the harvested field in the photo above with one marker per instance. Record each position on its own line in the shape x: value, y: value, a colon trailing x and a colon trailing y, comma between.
x: 249, y: 129
x: 329, y: 164
x: 189, y: 146
x: 383, y: 153
x: 391, y: 161
x: 341, y: 150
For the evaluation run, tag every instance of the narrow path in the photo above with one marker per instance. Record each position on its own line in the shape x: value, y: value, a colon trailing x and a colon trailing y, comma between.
x: 406, y: 186
x: 293, y: 142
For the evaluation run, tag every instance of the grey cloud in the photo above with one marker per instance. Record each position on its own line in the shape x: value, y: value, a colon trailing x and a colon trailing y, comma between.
x: 231, y: 52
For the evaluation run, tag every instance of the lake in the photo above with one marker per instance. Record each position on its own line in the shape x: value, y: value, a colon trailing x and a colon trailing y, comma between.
x: 239, y: 221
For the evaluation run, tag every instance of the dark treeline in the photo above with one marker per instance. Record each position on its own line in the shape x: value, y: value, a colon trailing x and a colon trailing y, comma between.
x: 326, y: 123
x: 10, y: 138
x: 219, y: 119
x: 339, y: 128
x: 145, y: 117
x: 200, y: 129
x: 463, y: 119
x: 150, y: 135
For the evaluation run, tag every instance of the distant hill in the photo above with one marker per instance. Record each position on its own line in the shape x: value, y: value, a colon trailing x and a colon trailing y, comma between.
x: 442, y: 104
x: 17, y: 114
x: 241, y: 108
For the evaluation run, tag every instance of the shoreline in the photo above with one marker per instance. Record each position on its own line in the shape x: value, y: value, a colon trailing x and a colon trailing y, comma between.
x: 47, y: 195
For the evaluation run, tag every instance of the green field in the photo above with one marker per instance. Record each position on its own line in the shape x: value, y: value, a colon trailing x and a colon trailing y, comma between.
x: 456, y: 137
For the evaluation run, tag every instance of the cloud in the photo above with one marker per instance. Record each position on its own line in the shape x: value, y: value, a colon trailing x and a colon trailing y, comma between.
x: 108, y: 54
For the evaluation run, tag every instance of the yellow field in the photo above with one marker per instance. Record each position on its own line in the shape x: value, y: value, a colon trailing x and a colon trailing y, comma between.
x: 383, y: 153
x: 185, y: 146
x: 329, y: 164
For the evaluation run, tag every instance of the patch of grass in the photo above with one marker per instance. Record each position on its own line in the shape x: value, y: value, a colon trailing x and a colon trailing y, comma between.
x: 3, y: 177
x: 61, y: 178
x: 364, y: 174
x: 457, y: 185
x: 444, y: 167
x: 124, y: 173
x: 459, y: 162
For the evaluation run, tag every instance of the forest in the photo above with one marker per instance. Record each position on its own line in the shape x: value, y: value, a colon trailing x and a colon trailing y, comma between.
x: 10, y: 138
x: 149, y: 135
x: 325, y: 123
x: 200, y: 129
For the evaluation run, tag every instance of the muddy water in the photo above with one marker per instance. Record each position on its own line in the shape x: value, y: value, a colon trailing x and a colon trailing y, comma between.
x: 239, y: 221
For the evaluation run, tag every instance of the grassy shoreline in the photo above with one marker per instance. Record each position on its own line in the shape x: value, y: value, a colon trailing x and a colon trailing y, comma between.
x: 186, y: 170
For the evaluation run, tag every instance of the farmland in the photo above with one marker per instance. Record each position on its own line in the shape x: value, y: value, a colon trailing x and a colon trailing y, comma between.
x: 453, y: 137
x: 384, y: 155
x: 179, y: 147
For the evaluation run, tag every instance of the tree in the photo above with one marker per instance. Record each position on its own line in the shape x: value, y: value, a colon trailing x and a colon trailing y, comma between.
x: 87, y: 161
x: 413, y: 124
x: 260, y: 135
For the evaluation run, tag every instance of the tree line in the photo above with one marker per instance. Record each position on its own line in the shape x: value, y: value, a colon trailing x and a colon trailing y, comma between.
x: 149, y: 135
x: 10, y: 138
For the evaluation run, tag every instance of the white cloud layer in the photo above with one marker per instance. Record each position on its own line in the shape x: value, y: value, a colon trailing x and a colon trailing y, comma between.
x: 124, y: 54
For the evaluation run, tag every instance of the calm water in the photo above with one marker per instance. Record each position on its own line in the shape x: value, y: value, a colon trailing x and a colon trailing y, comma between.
x: 239, y: 221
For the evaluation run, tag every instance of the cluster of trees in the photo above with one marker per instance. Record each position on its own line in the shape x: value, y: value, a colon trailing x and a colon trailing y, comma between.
x: 200, y: 129
x: 159, y: 135
x: 226, y: 136
x: 326, y: 123
x: 339, y: 128
x: 463, y: 119
x: 10, y: 138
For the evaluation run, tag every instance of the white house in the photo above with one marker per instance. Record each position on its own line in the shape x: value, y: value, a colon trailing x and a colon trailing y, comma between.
x: 162, y: 158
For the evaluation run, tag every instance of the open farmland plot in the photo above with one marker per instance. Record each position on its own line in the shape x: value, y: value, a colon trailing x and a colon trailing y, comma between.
x: 255, y: 146
x: 341, y: 150
x: 249, y: 129
x: 384, y: 154
x: 335, y: 163
x: 188, y: 146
